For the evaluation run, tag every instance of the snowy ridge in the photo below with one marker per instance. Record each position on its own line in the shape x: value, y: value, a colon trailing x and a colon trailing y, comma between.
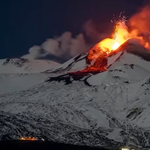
x: 21, y: 65
x: 74, y: 64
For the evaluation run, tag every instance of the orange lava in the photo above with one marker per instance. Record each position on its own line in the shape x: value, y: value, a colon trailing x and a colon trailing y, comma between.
x: 119, y: 36
x: 97, y: 56
x: 28, y: 139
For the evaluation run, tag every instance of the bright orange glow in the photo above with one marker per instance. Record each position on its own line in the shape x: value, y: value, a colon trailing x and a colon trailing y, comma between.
x: 140, y: 25
x: 28, y: 139
x: 119, y: 36
x: 108, y: 45
x: 105, y: 47
x: 115, y: 46
x: 22, y: 138
x: 97, y: 56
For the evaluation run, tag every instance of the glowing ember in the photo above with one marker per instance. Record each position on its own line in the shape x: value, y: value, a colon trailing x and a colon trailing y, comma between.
x: 28, y: 139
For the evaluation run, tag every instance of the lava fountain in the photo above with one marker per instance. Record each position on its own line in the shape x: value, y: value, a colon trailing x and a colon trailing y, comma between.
x: 97, y: 55
x: 119, y: 35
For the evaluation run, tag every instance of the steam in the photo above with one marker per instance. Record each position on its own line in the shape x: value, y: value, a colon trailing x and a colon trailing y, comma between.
x: 61, y: 48
x: 34, y: 52
x: 139, y: 25
x: 66, y: 46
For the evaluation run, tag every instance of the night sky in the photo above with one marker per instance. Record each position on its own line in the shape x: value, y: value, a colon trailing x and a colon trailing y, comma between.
x: 25, y: 23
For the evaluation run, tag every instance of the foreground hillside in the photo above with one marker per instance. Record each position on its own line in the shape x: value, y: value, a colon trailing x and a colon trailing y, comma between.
x: 108, y: 109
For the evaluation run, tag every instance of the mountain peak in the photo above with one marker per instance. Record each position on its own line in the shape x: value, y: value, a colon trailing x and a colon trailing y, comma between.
x: 16, y: 61
x: 96, y: 60
x: 134, y: 47
x: 22, y: 65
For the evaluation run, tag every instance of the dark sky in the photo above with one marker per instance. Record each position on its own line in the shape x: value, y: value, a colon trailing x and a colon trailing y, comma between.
x: 25, y: 23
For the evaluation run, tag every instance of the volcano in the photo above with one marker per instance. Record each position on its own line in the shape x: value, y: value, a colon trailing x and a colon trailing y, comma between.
x: 81, y: 66
x: 22, y: 65
x: 102, y: 103
x: 99, y: 98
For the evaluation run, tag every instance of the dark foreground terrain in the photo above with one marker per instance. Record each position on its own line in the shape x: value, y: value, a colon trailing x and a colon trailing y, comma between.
x: 40, y: 145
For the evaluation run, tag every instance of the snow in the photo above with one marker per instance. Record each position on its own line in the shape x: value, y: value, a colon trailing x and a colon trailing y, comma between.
x: 15, y: 108
x: 101, y: 120
x: 133, y: 73
x: 115, y: 134
x: 75, y: 64
x: 18, y: 65
x: 80, y: 65
x: 97, y: 79
x: 75, y: 112
x: 128, y: 58
x: 18, y: 82
x: 112, y: 59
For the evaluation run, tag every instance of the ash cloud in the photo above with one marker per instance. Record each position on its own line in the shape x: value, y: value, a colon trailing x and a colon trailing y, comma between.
x: 34, y: 52
x: 139, y: 24
x: 64, y: 47
x: 59, y: 49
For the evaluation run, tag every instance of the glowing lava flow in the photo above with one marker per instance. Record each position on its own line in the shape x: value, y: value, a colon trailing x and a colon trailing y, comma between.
x: 28, y: 139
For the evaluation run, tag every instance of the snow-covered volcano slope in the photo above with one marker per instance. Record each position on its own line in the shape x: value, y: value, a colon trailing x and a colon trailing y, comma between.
x: 132, y: 46
x: 21, y: 65
x: 130, y: 60
x: 97, y: 109
x: 20, y: 74
x: 132, y: 53
x: 18, y: 82
x: 75, y: 64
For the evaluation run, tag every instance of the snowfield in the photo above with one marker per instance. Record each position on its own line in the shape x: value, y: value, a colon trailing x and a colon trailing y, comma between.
x: 105, y: 109
x: 18, y: 82
x: 22, y: 65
